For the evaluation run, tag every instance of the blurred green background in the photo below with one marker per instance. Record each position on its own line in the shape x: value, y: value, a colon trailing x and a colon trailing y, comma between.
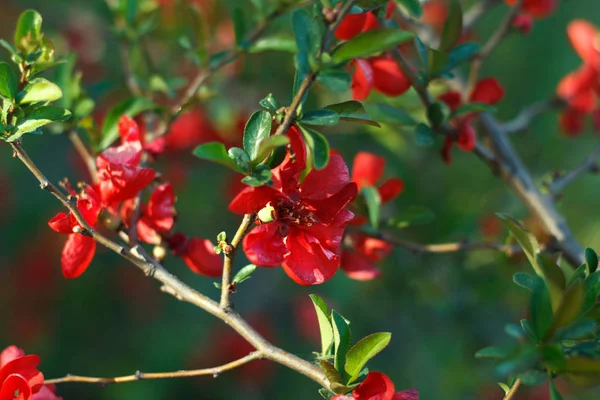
x: 440, y: 308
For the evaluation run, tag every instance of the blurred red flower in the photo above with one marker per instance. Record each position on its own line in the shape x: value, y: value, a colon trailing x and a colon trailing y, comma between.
x: 19, y: 374
x: 378, y: 386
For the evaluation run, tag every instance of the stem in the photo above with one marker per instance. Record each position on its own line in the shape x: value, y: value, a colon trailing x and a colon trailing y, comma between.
x: 513, y: 390
x: 172, y: 285
x: 476, y: 11
x: 142, y: 376
x: 85, y: 155
x: 588, y: 165
x: 522, y: 121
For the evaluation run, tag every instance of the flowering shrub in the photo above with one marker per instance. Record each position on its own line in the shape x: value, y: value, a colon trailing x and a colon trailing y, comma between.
x: 397, y: 65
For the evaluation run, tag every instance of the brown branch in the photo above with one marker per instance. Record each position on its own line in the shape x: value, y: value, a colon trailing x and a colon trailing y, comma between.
x: 513, y: 390
x: 172, y: 285
x: 522, y: 121
x: 142, y: 376
x: 84, y: 153
x: 589, y: 165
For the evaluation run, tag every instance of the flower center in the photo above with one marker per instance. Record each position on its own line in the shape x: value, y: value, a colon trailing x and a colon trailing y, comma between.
x: 294, y: 212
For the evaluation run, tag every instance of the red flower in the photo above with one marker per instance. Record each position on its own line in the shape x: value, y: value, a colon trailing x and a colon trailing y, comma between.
x: 378, y: 386
x: 367, y: 170
x: 530, y: 10
x: 79, y: 249
x: 362, y: 252
x: 355, y: 24
x: 189, y: 130
x: 19, y: 374
x: 120, y: 177
x: 198, y: 254
x: 308, y: 216
x: 488, y: 91
x: 379, y: 73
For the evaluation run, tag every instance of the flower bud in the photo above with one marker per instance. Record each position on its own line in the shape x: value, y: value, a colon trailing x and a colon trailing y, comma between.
x: 267, y: 214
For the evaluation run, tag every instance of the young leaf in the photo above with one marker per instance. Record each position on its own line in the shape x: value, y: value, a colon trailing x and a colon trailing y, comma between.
x: 39, y: 90
x: 554, y: 277
x: 8, y: 81
x: 528, y: 242
x: 568, y: 309
x: 320, y: 117
x: 244, y: 274
x: 373, y: 200
x: 318, y: 146
x: 352, y: 111
x: 260, y: 176
x: 270, y: 103
x: 591, y: 259
x: 341, y: 339
x: 40, y: 117
x: 461, y: 53
x: 367, y: 348
x: 215, y: 152
x: 131, y: 107
x: 452, y: 27
x: 333, y: 375
x: 256, y: 130
x: 29, y: 26
x: 268, y: 145
x: 324, y: 323
x: 274, y: 43
x: 240, y: 158
x: 524, y: 280
x: 369, y: 43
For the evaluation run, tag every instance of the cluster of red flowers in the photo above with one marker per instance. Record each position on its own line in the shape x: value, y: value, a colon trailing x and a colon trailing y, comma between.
x: 379, y: 73
x: 487, y: 91
x: 378, y: 386
x: 20, y: 378
x: 120, y: 180
x: 581, y: 88
x: 530, y: 11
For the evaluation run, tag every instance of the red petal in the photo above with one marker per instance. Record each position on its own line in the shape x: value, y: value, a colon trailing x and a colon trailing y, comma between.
x: 539, y: 8
x: 582, y: 80
x: 572, y: 122
x: 367, y: 169
x: 123, y: 182
x: 61, y: 223
x: 390, y: 189
x: 583, y: 37
x: 487, y: 91
x: 467, y: 137
x: 447, y: 151
x: 47, y: 392
x: 327, y: 209
x: 162, y: 200
x: 584, y: 101
x: 252, y: 199
x: 388, y: 78
x: 129, y: 129
x: 10, y: 353
x: 308, y: 263
x: 129, y: 153
x: 354, y: 24
x: 410, y: 394
x: 320, y: 184
x: 596, y: 119
x: 377, y: 386
x: 11, y: 385
x: 358, y: 267
x: 287, y: 174
x: 372, y: 248
x: 452, y: 99
x: 263, y: 246
x: 148, y: 232
x: 26, y: 367
x: 362, y: 80
x: 201, y: 258
x: 77, y: 255
x: 524, y: 23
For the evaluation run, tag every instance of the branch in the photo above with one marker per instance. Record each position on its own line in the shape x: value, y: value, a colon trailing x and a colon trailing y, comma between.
x: 513, y: 390
x: 142, y: 376
x: 589, y: 165
x: 172, y: 285
x: 522, y: 121
x: 85, y: 155
x: 476, y: 12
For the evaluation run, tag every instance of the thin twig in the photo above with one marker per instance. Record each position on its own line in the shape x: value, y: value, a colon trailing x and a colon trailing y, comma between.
x: 136, y: 213
x: 473, y: 14
x: 589, y: 165
x: 513, y: 390
x: 522, y: 121
x: 84, y: 153
x: 142, y: 376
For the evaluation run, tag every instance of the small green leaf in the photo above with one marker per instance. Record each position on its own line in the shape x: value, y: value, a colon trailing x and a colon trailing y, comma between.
x: 8, y: 81
x: 528, y: 242
x: 324, y: 323
x: 504, y: 387
x: 367, y: 348
x: 336, y: 80
x: 437, y: 113
x: 554, y: 277
x: 260, y: 176
x: 388, y: 114
x: 568, y: 309
x: 373, y: 200
x: 413, y: 215
x: 472, y: 108
x: 268, y: 145
x: 412, y: 6
x: 352, y: 111
x: 39, y: 90
x: 39, y: 118
x: 514, y: 331
x: 524, y: 280
x: 527, y: 328
x: 591, y: 259
x: 317, y: 145
x: 452, y: 27
x: 274, y: 43
x: 240, y: 158
x: 131, y: 107
x: 437, y: 61
x: 333, y: 375
x: 493, y: 352
x: 532, y: 377
x: 215, y: 152
x: 28, y: 27
x: 308, y: 32
x: 244, y: 274
x: 326, y: 394
x: 461, y: 53
x: 540, y: 309
x: 341, y: 339
x: 270, y: 103
x: 320, y: 117
x: 257, y: 129
x: 578, y: 330
x: 424, y: 135
x: 239, y: 25
x: 370, y: 43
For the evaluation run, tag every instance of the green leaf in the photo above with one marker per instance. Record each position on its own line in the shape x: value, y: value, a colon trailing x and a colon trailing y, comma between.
x: 268, y: 145
x: 270, y: 103
x: 540, y: 309
x: 257, y: 129
x: 452, y: 27
x: 591, y: 259
x: 131, y: 107
x: 554, y: 393
x: 28, y: 27
x: 341, y: 340
x: 412, y: 6
x: 524, y: 280
x: 318, y: 146
x: 307, y: 32
x: 336, y: 80
x: 83, y: 108
x: 39, y: 118
x: 244, y: 274
x: 437, y: 61
x: 326, y: 394
x: 554, y: 277
x: 473, y: 108
x: 324, y: 323
x: 578, y: 330
x: 568, y: 309
x: 526, y: 240
x: 504, y: 387
x: 437, y: 113
x: 527, y: 328
x: 370, y: 43
x: 413, y: 215
x: 493, y: 352
x: 260, y: 176
x: 367, y: 348
x: 215, y: 152
x: 424, y: 135
x: 373, y: 200
x: 274, y: 43
x: 514, y: 331
x: 39, y: 90
x: 8, y: 81
x: 333, y: 375
x: 388, y: 114
x: 320, y: 117
x: 532, y: 377
x: 461, y: 53
x: 240, y: 158
x: 239, y: 26
x: 352, y: 111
